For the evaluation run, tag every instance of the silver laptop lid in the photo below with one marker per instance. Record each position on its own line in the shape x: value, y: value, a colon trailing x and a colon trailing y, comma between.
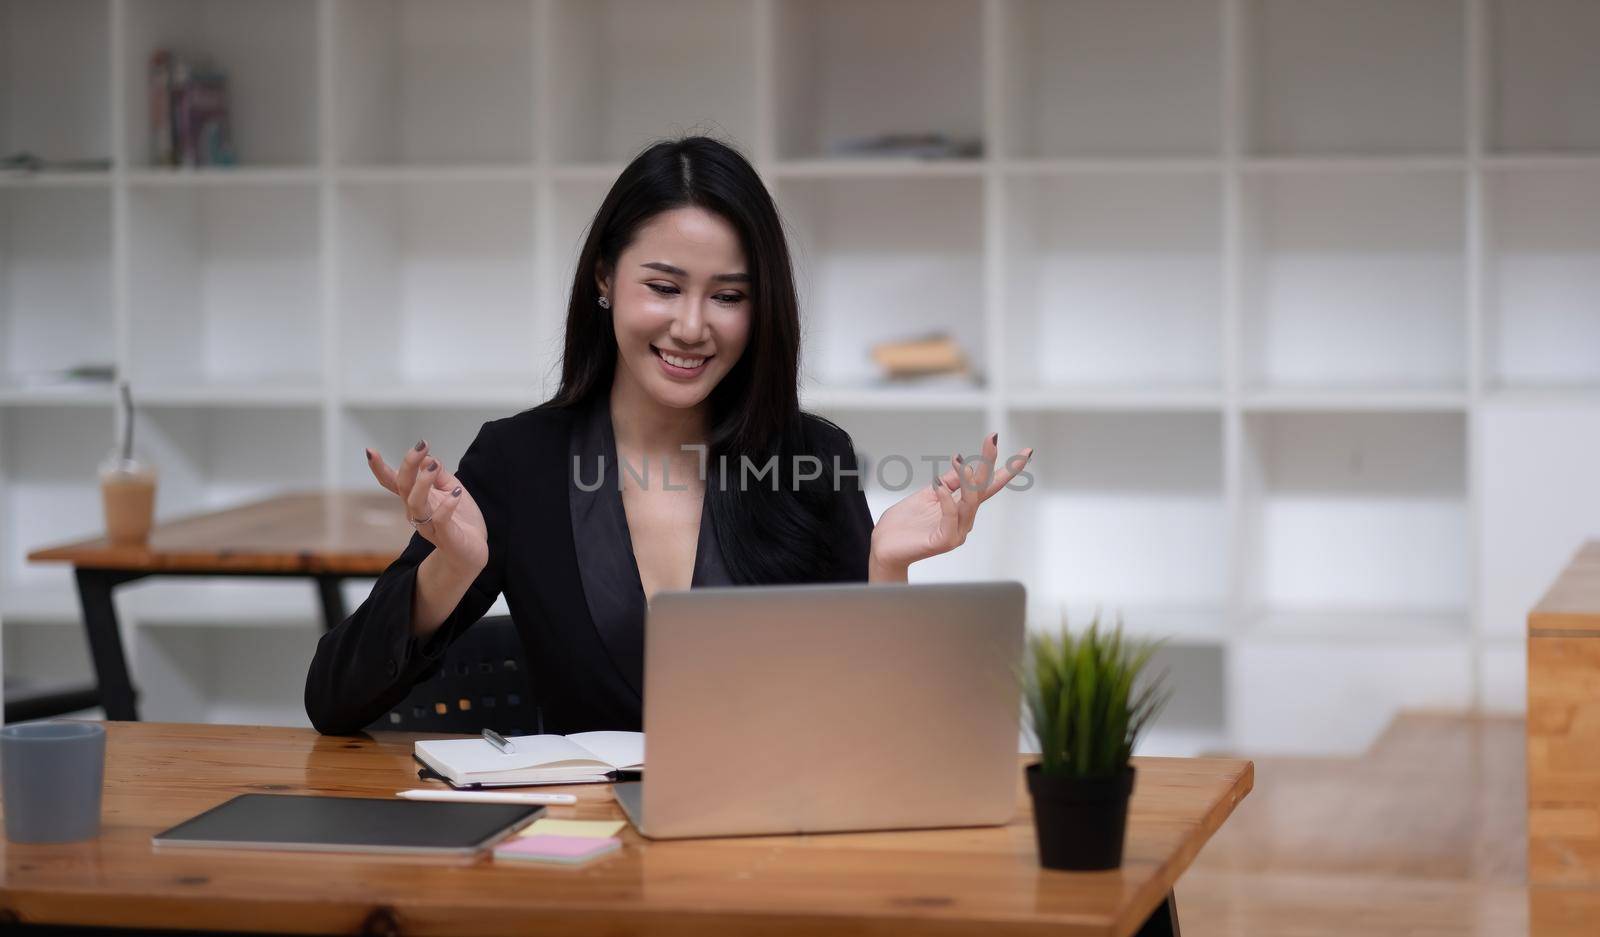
x: 783, y: 709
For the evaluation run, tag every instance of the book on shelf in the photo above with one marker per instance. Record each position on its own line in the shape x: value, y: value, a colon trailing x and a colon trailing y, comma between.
x: 189, y: 113
x: 925, y: 356
x: 919, y: 145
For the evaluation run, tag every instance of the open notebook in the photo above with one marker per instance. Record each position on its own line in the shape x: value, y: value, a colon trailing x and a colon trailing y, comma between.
x: 538, y: 759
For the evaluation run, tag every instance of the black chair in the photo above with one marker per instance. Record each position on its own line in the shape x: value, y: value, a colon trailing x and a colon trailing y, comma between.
x: 482, y: 682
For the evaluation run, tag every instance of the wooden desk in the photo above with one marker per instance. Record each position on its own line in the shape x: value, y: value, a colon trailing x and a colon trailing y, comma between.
x: 979, y: 881
x: 1564, y: 727
x: 325, y: 536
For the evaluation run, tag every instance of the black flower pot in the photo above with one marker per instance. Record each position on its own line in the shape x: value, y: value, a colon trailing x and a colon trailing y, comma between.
x: 1080, y: 822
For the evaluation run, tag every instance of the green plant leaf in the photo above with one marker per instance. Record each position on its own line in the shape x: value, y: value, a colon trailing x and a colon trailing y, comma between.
x: 1085, y: 697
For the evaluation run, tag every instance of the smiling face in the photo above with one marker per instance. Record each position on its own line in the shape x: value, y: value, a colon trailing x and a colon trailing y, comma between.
x: 680, y: 306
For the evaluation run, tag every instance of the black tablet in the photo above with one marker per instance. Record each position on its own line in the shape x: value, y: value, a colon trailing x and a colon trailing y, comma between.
x: 350, y: 824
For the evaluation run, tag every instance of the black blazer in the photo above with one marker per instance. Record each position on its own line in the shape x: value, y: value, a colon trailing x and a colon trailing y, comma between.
x: 516, y: 469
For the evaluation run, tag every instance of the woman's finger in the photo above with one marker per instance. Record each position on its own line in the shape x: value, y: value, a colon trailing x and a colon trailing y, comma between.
x: 447, y: 508
x: 445, y: 480
x: 983, y: 468
x: 1005, y: 473
x: 419, y: 502
x: 951, y: 479
x: 950, y: 522
x: 381, y: 471
x: 967, y: 507
x: 405, y: 477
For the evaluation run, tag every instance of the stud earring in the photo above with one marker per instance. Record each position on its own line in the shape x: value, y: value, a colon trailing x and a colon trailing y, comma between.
x: 605, y: 303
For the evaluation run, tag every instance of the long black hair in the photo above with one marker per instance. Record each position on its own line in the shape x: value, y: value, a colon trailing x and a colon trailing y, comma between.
x: 765, y: 535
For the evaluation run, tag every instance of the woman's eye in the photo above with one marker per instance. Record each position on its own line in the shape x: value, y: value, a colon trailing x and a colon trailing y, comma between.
x: 667, y: 289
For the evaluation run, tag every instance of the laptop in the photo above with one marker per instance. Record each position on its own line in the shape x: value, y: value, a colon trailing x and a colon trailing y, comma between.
x: 825, y: 708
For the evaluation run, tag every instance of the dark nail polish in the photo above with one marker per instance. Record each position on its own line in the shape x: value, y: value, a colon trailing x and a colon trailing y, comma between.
x: 422, y: 444
x: 432, y: 465
x: 369, y: 454
x: 456, y: 493
x: 994, y: 438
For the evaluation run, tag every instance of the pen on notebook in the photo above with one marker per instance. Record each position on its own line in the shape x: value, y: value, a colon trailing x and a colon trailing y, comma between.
x: 498, y: 741
x: 488, y: 797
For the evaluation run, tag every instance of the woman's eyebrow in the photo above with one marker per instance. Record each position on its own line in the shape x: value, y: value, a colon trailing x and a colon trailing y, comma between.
x: 679, y: 271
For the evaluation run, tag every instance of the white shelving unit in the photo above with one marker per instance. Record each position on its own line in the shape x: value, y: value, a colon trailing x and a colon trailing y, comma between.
x: 1289, y: 295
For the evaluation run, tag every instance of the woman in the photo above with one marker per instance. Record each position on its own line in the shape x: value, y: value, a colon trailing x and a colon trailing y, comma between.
x: 673, y: 455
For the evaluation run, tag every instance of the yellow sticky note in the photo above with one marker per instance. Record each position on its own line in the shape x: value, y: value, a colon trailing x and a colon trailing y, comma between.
x: 599, y: 829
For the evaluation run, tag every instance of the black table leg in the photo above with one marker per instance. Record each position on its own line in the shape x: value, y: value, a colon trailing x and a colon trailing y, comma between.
x: 95, y: 586
x: 1163, y: 921
x: 332, y: 600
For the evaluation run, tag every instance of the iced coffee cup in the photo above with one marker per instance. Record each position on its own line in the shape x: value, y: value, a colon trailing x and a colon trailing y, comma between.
x: 128, y: 493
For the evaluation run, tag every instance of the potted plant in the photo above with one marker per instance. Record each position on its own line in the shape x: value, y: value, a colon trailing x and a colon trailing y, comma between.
x: 1086, y: 712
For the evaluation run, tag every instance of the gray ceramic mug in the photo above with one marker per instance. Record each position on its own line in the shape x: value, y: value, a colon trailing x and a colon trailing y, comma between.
x: 52, y: 773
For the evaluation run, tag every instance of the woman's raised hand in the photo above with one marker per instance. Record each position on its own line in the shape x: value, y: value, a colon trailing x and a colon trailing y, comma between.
x: 936, y: 518
x: 438, y: 505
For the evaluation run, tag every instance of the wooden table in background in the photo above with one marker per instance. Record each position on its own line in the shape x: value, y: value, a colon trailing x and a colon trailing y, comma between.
x: 1564, y: 727
x: 324, y: 536
x: 980, y: 881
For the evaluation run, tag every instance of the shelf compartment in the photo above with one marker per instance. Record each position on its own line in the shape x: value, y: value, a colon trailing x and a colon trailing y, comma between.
x: 53, y: 110
x: 222, y: 176
x: 1161, y: 397
x: 55, y: 284
x: 269, y: 392
x: 1086, y: 78
x: 855, y: 68
x: 1544, y: 58
x: 1195, y: 720
x: 1352, y: 165
x: 50, y: 464
x: 1542, y: 299
x: 507, y: 172
x: 894, y: 455
x: 66, y: 393
x: 1537, y: 468
x: 874, y: 167
x: 1126, y: 512
x: 884, y: 259
x: 1352, y: 399
x: 509, y: 394
x: 1355, y: 76
x: 574, y: 202
x: 625, y: 75
x: 437, y: 284
x: 391, y: 431
x: 210, y: 459
x: 1374, y: 624
x: 269, y: 51
x: 224, y: 288
x: 1114, y: 281
x: 1178, y: 625
x: 1355, y: 281
x: 419, y: 82
x: 1334, y: 697
x: 1381, y: 498
x: 890, y: 397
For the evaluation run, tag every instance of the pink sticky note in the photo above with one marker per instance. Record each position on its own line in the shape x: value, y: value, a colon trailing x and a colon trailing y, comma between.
x: 558, y: 848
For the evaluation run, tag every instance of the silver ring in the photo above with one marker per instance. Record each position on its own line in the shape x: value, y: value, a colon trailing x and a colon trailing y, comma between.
x: 417, y: 524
